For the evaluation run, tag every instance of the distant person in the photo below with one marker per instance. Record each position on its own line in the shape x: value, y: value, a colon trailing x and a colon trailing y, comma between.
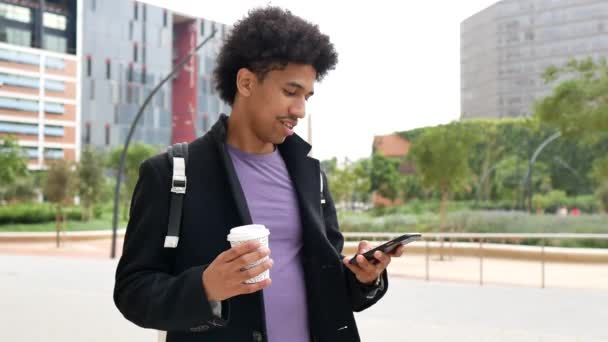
x: 575, y: 212
x: 250, y: 168
x: 562, y: 211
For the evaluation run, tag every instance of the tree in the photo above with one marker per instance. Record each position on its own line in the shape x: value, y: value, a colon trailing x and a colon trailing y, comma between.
x: 136, y: 154
x: 440, y: 158
x: 351, y: 182
x: 13, y: 165
x: 90, y: 179
x: 384, y: 176
x: 59, y: 189
x: 600, y: 175
x: 579, y: 104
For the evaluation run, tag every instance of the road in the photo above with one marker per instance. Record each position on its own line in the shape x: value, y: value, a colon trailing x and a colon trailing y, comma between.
x: 56, y: 299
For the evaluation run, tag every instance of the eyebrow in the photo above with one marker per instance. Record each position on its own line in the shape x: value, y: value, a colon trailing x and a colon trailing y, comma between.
x: 299, y: 86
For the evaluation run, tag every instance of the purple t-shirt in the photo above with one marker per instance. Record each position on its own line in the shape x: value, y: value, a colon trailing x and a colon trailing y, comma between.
x: 272, y: 201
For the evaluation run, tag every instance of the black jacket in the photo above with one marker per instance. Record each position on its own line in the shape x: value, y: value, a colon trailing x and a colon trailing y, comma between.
x: 161, y: 288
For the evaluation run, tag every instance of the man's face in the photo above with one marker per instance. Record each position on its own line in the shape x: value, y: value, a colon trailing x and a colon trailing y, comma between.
x: 279, y: 100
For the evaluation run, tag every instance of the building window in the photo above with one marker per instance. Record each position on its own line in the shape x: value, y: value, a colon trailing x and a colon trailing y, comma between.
x: 202, y: 27
x: 15, y: 36
x: 130, y: 73
x: 108, y: 69
x: 87, y: 133
x: 54, y: 63
x: 107, y: 134
x: 54, y: 108
x: 55, y: 43
x: 19, y: 57
x: 18, y: 128
x: 53, y: 153
x: 135, y: 52
x: 15, y: 13
x: 144, y: 12
x: 89, y: 66
x: 54, y: 21
x: 135, y: 10
x: 52, y: 85
x: 54, y: 131
x: 19, y: 81
x: 93, y: 4
x: 129, y: 93
x: 164, y: 18
x: 130, y: 30
x: 92, y: 89
x: 143, y: 75
x: 18, y: 104
x: 143, y: 54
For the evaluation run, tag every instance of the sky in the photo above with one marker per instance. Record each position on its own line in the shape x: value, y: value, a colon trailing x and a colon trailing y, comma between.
x: 398, y: 68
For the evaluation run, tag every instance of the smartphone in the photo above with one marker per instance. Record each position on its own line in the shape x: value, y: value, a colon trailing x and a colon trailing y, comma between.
x: 388, y: 246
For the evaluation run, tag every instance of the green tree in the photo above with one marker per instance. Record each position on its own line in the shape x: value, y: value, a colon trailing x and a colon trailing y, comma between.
x: 13, y: 165
x: 600, y: 176
x: 90, y: 179
x: 136, y: 154
x: 385, y: 176
x: 440, y: 158
x: 351, y: 182
x: 579, y: 104
x: 58, y: 189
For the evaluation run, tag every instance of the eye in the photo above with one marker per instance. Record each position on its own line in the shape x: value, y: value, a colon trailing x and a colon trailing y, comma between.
x: 289, y: 93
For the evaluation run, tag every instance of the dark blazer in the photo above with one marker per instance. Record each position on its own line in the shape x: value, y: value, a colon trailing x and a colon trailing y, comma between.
x: 161, y: 288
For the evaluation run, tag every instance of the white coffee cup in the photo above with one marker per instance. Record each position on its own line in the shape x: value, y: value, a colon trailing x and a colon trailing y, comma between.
x: 251, y: 232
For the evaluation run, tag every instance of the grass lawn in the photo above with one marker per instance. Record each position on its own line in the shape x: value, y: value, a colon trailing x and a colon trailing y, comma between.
x: 102, y: 223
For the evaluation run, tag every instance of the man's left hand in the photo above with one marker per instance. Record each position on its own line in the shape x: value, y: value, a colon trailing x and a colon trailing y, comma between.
x: 367, y: 271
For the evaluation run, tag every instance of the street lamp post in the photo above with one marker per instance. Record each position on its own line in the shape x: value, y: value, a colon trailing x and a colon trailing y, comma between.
x: 123, y: 156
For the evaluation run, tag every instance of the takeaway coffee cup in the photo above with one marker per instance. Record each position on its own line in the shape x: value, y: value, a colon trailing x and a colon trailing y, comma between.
x: 251, y: 232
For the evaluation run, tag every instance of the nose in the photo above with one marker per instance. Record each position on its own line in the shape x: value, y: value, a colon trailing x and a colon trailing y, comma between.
x: 298, y: 108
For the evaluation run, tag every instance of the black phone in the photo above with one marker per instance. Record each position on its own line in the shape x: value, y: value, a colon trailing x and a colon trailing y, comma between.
x: 388, y: 246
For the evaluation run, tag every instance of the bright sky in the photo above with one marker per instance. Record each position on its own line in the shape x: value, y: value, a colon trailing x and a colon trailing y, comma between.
x: 398, y: 69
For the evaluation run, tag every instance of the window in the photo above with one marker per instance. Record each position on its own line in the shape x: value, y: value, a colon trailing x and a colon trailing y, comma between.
x: 18, y: 104
x: 15, y: 36
x: 135, y: 10
x: 16, y: 13
x: 130, y: 30
x: 19, y: 81
x: 93, y: 5
x: 19, y: 57
x: 143, y: 75
x: 87, y: 133
x: 55, y: 43
x: 53, y: 153
x: 54, y: 21
x: 54, y: 131
x: 129, y: 93
x: 92, y: 90
x: 54, y: 108
x: 31, y: 152
x: 54, y: 63
x: 164, y: 18
x: 130, y: 73
x: 143, y: 54
x: 134, y: 52
x: 107, y: 134
x: 202, y: 27
x: 108, y: 69
x: 53, y: 85
x: 18, y: 128
x: 89, y: 66
x: 144, y: 12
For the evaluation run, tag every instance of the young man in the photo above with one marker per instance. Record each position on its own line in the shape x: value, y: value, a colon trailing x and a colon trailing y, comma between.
x: 250, y: 168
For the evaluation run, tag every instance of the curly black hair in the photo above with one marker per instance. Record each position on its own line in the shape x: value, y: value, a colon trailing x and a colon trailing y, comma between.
x: 268, y: 39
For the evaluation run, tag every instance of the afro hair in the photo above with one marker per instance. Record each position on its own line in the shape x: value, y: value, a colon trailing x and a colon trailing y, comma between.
x: 268, y: 39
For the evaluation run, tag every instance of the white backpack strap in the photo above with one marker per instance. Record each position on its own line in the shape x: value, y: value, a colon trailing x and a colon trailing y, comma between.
x: 322, y: 196
x: 178, y: 157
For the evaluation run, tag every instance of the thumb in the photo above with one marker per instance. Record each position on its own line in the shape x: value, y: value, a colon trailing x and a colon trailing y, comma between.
x: 364, y: 246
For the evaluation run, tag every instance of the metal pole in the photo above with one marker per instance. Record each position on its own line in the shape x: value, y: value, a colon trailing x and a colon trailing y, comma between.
x: 426, y: 264
x: 481, y: 262
x: 528, y: 177
x: 542, y: 264
x: 123, y: 156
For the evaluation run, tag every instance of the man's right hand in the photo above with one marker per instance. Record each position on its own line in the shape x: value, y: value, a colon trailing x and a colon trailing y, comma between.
x: 225, y: 277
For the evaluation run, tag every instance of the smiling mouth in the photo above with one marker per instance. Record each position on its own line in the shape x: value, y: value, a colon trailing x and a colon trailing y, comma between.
x: 288, y: 124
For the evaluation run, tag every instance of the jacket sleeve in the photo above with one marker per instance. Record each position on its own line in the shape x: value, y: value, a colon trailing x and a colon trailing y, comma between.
x: 361, y: 296
x: 146, y: 291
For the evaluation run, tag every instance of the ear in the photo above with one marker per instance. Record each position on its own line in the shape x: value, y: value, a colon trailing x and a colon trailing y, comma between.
x: 245, y: 80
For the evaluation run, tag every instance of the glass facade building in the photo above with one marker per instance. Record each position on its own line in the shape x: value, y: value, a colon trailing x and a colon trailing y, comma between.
x: 506, y: 48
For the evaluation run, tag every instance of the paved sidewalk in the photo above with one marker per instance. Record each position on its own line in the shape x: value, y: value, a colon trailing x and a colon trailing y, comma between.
x: 457, y: 269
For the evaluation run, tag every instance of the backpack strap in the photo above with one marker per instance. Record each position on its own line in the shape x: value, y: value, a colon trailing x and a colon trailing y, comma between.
x: 322, y: 195
x: 178, y: 158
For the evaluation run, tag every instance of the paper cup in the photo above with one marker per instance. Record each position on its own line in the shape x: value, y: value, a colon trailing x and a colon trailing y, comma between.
x: 251, y: 232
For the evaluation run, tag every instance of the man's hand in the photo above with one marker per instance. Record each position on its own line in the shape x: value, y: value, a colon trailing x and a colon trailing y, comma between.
x: 225, y: 277
x: 366, y: 271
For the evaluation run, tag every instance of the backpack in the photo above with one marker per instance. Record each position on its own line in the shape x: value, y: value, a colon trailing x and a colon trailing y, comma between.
x: 178, y: 159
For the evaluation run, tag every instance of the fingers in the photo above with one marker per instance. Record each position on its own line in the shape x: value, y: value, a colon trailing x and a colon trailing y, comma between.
x: 251, y: 288
x: 249, y: 258
x: 398, y: 251
x: 255, y: 270
x: 237, y: 251
x: 364, y: 246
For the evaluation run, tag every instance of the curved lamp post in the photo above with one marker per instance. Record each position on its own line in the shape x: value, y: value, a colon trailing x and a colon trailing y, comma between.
x: 528, y: 177
x: 123, y: 156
